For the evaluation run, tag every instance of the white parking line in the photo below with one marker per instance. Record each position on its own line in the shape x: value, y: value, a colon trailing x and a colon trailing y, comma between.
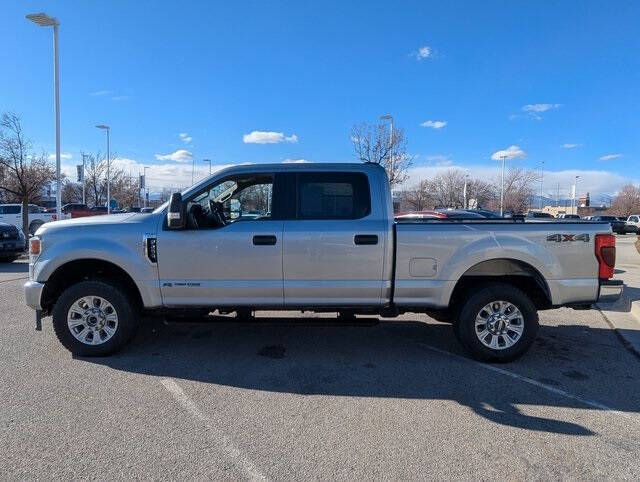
x: 535, y: 383
x: 244, y: 464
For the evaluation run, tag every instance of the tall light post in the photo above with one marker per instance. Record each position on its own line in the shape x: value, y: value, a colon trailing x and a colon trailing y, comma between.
x: 504, y: 158
x: 209, y: 161
x: 464, y: 191
x: 145, y: 186
x: 107, y: 129
x: 84, y: 189
x: 43, y: 20
x: 574, y: 207
x: 541, y: 178
x: 389, y: 117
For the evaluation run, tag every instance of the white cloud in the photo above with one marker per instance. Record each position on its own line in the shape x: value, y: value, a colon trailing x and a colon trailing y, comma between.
x: 268, y: 137
x: 423, y: 52
x: 181, y: 155
x: 295, y: 161
x: 610, y: 157
x: 121, y: 97
x: 538, y: 108
x: 63, y: 155
x: 186, y: 138
x: 570, y: 146
x: 511, y: 152
x: 434, y: 124
x: 100, y: 93
x: 440, y: 160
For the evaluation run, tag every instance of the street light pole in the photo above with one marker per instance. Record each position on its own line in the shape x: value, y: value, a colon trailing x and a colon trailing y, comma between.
x: 145, y: 186
x: 209, y: 161
x: 504, y: 158
x: 541, y: 178
x: 574, y: 207
x: 107, y: 128
x: 464, y: 191
x: 43, y: 20
x: 389, y: 117
x: 84, y: 190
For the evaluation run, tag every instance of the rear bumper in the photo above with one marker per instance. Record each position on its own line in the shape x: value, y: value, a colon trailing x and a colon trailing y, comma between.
x: 610, y: 290
x: 33, y: 294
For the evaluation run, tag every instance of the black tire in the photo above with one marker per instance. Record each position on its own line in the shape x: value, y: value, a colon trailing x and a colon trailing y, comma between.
x: 124, y: 308
x: 465, y: 326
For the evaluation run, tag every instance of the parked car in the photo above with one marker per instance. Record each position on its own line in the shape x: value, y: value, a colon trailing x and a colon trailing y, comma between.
x: 99, y: 210
x: 539, y: 214
x: 78, y: 210
x: 617, y: 226
x: 327, y: 241
x: 485, y: 213
x: 568, y: 216
x: 439, y: 214
x: 632, y: 224
x: 12, y: 214
x: 146, y: 210
x: 12, y: 242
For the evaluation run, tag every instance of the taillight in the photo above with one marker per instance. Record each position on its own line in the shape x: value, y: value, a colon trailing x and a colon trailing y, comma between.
x: 606, y: 255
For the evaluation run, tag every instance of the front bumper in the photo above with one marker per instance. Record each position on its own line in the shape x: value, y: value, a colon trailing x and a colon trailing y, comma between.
x: 610, y: 290
x: 33, y: 294
x: 12, y: 248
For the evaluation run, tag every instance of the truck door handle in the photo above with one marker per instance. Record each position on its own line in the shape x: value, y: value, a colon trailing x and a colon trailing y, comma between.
x: 365, y: 239
x: 264, y: 240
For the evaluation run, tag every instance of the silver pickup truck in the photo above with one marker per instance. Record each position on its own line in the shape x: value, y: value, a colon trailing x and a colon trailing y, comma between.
x: 317, y: 237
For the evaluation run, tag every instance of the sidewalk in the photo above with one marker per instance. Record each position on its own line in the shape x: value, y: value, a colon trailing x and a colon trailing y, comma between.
x: 624, y: 315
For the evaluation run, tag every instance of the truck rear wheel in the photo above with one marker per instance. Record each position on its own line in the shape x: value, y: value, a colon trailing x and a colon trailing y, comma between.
x: 93, y: 318
x: 498, y: 323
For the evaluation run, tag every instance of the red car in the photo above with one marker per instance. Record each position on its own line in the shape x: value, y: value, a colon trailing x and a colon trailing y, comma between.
x: 79, y: 210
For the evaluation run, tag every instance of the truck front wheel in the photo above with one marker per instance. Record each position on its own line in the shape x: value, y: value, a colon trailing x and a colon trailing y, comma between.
x: 497, y: 323
x: 93, y: 318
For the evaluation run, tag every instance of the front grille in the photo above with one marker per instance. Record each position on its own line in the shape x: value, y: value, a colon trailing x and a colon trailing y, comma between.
x: 8, y: 232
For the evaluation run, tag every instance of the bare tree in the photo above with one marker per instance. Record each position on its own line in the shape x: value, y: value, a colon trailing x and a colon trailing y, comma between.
x: 627, y: 202
x: 22, y: 174
x: 374, y: 143
x: 418, y: 198
x: 447, y: 189
x: 519, y: 188
x: 481, y: 192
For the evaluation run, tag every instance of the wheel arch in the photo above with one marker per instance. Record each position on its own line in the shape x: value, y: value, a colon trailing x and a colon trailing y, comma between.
x: 505, y: 270
x: 78, y: 270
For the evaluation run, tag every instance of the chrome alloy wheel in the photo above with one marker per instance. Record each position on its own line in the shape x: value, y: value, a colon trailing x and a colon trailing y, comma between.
x: 499, y: 325
x: 92, y: 320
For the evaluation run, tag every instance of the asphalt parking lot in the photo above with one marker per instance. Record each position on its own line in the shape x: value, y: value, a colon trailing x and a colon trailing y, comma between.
x: 305, y: 396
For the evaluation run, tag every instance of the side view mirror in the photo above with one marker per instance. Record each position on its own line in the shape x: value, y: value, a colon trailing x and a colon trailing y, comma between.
x: 176, y: 218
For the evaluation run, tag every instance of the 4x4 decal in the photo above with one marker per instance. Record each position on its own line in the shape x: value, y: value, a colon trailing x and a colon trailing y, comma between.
x: 563, y: 238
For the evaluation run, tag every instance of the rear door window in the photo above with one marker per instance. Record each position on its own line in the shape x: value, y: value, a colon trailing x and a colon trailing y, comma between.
x: 333, y: 195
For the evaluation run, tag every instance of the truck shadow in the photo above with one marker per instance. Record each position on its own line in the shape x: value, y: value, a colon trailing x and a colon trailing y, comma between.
x: 407, y: 359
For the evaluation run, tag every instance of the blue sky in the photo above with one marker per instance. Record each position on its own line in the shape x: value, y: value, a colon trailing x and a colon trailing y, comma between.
x: 217, y: 71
